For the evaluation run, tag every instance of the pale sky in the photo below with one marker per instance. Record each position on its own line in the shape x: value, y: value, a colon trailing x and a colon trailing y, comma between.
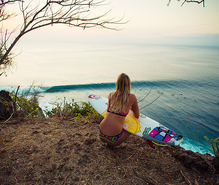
x: 151, y: 21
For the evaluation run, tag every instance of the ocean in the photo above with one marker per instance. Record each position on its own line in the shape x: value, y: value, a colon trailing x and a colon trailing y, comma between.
x: 187, y: 77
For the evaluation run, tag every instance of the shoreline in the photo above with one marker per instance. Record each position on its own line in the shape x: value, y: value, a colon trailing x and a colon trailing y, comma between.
x: 60, y: 151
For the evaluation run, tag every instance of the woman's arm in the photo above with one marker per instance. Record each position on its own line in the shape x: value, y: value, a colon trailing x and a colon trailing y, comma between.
x: 134, y: 107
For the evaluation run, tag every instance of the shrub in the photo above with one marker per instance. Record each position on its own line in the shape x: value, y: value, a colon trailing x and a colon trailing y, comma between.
x: 214, y: 145
x: 26, y: 103
x: 71, y: 110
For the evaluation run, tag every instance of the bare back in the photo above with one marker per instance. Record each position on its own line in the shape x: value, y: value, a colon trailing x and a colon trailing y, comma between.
x: 112, y: 124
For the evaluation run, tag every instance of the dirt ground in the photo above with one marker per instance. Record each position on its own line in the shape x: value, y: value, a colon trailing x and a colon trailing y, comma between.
x: 58, y: 151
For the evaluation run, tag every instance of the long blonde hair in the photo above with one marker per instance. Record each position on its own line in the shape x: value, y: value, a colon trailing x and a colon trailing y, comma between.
x: 120, y: 96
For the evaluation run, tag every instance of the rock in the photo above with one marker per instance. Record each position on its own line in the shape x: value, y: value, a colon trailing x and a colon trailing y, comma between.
x: 6, y: 105
x: 192, y: 160
x: 40, y: 114
x: 216, y: 163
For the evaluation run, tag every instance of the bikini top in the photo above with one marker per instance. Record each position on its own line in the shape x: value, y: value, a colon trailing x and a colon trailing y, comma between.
x: 120, y: 113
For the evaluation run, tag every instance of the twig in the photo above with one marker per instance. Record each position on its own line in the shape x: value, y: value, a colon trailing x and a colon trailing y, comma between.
x: 146, y: 95
x: 9, y: 117
x: 192, y: 1
x: 16, y: 180
x: 112, y: 159
x: 31, y: 113
x: 133, y: 166
x: 196, y: 182
x: 65, y: 179
x: 16, y: 99
x: 152, y: 101
x: 186, y: 179
x: 197, y: 139
x: 124, y: 174
x: 145, y: 178
x: 128, y: 158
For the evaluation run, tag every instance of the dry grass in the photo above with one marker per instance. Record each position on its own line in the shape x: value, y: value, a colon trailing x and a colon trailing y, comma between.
x: 57, y: 151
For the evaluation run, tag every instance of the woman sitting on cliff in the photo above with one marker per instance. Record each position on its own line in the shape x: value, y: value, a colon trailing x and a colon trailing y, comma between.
x: 119, y: 103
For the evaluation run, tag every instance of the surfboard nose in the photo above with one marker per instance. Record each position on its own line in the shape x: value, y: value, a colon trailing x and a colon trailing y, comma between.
x: 88, y: 93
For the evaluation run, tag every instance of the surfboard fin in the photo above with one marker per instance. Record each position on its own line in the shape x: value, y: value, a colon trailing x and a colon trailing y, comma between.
x: 151, y: 144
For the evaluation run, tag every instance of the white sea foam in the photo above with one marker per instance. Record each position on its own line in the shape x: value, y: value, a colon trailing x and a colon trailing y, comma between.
x: 196, y: 146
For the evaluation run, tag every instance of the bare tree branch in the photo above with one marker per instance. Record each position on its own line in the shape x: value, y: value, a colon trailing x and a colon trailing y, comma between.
x: 73, y: 13
x: 194, y: 1
x: 3, y: 14
x: 145, y: 95
x: 151, y: 102
x: 3, y: 3
x: 190, y: 1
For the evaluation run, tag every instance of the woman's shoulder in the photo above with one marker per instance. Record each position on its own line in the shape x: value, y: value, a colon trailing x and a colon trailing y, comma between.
x: 110, y: 94
x: 132, y: 97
